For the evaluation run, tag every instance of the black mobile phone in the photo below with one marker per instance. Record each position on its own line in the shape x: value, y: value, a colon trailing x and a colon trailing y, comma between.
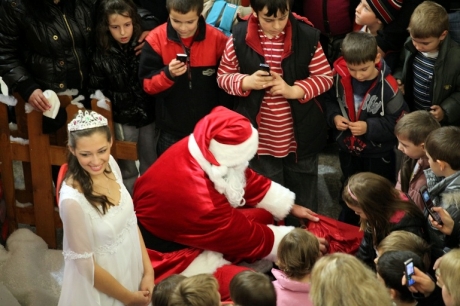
x: 265, y: 67
x: 181, y: 57
x: 409, y: 269
x: 429, y: 204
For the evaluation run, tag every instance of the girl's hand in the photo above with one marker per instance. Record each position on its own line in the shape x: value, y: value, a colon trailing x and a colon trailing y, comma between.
x: 358, y: 128
x: 38, y: 101
x: 341, y: 123
x: 147, y: 284
x: 437, y: 112
x: 448, y: 223
x: 257, y: 81
x: 138, y: 298
x: 177, y: 68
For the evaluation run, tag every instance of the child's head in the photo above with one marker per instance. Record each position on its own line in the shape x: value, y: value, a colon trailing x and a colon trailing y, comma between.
x: 428, y: 26
x: 297, y: 253
x: 412, y: 130
x: 197, y: 290
x: 184, y: 16
x: 341, y: 279
x: 375, y: 200
x: 372, y: 12
x: 442, y: 147
x: 118, y: 19
x: 359, y: 50
x: 249, y: 288
x: 162, y: 292
x: 405, y: 241
x: 390, y: 270
x: 273, y: 15
x: 448, y: 277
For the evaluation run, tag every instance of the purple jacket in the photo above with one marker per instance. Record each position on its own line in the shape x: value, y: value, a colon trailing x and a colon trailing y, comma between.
x: 290, y: 292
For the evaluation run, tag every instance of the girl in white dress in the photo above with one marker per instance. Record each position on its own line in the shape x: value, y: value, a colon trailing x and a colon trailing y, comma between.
x: 106, y: 262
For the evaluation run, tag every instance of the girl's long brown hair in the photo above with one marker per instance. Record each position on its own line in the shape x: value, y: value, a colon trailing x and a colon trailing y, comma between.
x: 379, y: 200
x: 79, y: 175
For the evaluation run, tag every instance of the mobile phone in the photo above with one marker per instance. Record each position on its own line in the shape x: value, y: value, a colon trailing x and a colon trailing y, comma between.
x: 181, y: 57
x: 409, y: 268
x: 426, y: 198
x: 265, y: 67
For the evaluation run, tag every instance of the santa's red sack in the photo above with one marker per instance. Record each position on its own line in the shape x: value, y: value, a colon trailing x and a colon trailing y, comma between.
x: 342, y: 237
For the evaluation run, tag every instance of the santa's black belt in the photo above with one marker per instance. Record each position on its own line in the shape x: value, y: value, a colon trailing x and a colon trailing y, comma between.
x: 156, y: 243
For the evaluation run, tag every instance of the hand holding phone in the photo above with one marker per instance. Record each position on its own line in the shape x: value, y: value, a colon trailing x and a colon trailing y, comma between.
x: 409, y: 271
x: 182, y: 57
x: 265, y: 67
x: 426, y: 198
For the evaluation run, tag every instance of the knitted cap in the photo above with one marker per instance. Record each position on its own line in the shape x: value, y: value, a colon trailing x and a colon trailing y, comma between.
x: 385, y: 10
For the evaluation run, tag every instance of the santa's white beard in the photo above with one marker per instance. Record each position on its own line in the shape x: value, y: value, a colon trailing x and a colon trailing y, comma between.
x: 231, y: 182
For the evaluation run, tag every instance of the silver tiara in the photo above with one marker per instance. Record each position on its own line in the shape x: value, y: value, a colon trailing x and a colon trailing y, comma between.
x: 86, y: 120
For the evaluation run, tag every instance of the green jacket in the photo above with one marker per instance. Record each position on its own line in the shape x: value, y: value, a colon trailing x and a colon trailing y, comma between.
x: 445, y: 87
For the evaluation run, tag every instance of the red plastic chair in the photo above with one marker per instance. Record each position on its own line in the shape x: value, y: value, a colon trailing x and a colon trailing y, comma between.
x: 60, y: 178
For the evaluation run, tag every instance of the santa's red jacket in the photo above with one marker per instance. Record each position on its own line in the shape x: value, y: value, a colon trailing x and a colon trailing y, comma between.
x: 177, y: 202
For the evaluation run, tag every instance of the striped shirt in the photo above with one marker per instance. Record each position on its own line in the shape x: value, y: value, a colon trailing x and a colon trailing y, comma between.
x: 276, y: 128
x: 423, y: 69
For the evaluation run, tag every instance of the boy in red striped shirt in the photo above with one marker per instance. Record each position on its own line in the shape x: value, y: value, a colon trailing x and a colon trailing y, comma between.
x: 280, y: 103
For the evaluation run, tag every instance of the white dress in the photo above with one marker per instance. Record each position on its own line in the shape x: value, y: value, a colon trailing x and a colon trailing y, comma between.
x: 110, y: 240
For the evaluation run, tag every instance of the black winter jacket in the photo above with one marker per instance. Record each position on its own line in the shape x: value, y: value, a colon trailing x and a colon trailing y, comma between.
x: 115, y: 73
x: 46, y: 53
x: 182, y: 101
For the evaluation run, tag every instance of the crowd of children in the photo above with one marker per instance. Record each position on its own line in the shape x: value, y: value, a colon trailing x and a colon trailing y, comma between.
x: 375, y: 98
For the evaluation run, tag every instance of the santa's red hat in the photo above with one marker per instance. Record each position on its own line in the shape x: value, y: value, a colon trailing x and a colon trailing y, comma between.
x: 226, y: 138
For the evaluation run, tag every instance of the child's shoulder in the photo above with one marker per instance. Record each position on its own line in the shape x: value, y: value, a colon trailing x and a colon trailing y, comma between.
x: 452, y: 52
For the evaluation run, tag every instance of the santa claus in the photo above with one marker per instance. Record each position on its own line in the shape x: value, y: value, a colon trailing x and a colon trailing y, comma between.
x: 200, y: 208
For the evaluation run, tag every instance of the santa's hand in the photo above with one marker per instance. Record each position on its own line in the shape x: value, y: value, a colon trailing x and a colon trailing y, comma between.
x: 303, y: 213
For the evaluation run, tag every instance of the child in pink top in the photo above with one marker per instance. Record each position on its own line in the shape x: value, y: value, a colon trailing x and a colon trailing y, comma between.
x: 297, y: 253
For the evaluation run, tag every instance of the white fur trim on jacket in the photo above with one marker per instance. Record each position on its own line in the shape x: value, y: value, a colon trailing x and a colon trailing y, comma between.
x: 206, y: 262
x: 279, y: 232
x: 232, y: 155
x: 278, y: 201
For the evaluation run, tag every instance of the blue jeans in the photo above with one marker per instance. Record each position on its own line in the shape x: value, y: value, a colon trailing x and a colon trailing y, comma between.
x: 454, y: 26
x: 299, y: 176
x: 144, y: 137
